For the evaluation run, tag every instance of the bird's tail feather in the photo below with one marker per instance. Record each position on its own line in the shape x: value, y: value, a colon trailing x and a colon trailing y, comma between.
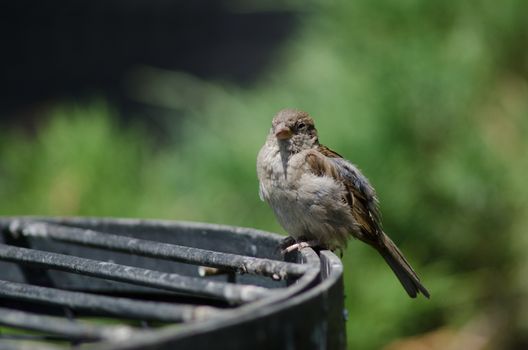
x: 401, y: 267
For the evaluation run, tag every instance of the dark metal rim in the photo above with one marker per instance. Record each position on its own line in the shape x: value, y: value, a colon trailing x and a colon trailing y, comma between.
x: 305, y: 287
x: 262, y: 309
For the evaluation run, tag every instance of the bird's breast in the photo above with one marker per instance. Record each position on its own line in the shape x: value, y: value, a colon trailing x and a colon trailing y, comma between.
x: 305, y: 204
x: 280, y: 171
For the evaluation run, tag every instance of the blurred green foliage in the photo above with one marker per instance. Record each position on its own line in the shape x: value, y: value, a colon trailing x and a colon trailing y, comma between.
x: 430, y: 99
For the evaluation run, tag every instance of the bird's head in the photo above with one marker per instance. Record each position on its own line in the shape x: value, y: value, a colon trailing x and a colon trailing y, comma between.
x: 294, y: 129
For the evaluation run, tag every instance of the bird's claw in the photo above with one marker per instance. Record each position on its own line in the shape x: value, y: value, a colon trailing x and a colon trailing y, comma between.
x: 299, y: 246
x: 286, y: 242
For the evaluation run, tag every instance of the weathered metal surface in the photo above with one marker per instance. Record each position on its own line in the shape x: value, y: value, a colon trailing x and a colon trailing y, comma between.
x: 304, y: 311
x: 106, y: 305
x: 62, y: 327
x: 232, y: 293
x: 232, y: 262
x: 311, y: 319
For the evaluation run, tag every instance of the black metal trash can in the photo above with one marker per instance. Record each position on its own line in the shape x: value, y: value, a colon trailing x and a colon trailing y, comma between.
x: 144, y: 284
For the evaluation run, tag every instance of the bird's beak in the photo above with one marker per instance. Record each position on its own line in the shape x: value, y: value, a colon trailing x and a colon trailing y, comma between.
x: 282, y: 132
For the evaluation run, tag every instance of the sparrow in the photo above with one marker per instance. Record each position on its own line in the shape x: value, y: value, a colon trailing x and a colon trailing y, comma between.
x: 320, y: 198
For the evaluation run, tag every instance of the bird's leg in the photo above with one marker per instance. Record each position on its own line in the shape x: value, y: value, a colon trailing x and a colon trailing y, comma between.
x: 300, y: 245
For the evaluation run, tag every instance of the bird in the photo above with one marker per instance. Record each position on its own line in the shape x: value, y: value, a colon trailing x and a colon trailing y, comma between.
x: 321, y: 199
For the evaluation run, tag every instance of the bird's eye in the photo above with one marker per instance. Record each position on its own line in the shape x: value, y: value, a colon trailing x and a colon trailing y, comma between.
x: 301, y: 126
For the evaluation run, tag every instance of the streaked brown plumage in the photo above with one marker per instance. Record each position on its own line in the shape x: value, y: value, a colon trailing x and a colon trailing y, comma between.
x: 320, y: 197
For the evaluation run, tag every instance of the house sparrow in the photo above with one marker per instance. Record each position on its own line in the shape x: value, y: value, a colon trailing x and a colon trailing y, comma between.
x: 321, y: 199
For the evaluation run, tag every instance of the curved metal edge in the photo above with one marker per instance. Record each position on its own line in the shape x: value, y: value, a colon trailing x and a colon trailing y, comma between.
x: 221, y: 238
x: 135, y: 223
x: 267, y: 240
x: 332, y: 291
x: 304, y: 318
x: 173, y: 335
x: 312, y: 292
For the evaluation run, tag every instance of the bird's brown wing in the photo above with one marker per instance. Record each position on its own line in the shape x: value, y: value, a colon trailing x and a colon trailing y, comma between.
x: 327, y: 152
x: 360, y: 196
